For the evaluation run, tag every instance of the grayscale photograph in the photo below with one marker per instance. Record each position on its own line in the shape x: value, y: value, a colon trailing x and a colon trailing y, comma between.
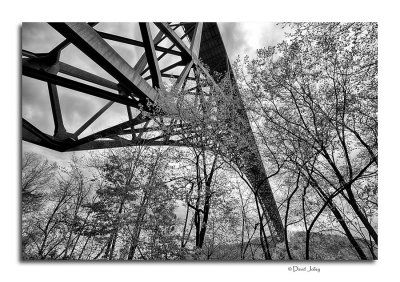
x: 199, y: 141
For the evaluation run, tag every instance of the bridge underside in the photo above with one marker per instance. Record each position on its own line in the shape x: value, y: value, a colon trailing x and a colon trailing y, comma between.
x: 176, y: 58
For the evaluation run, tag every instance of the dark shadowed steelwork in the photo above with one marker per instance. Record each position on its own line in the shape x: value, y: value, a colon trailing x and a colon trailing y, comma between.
x: 139, y: 88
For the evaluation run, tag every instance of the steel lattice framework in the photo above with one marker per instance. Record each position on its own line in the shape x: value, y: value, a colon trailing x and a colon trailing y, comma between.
x: 193, y: 45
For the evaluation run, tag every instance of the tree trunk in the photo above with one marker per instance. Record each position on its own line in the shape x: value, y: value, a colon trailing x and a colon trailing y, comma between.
x: 350, y: 236
x: 203, y: 229
x: 263, y: 236
x: 341, y: 221
x: 353, y: 203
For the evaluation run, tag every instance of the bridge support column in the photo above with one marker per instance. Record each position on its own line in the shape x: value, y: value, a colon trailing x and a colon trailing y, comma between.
x: 256, y: 174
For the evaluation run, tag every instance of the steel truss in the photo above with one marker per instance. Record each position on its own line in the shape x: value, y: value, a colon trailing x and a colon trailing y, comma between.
x: 139, y: 88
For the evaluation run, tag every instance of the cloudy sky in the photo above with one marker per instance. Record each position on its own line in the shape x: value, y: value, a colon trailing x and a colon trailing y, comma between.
x: 239, y: 39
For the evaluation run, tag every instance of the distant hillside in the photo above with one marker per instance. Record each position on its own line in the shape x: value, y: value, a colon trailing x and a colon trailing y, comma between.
x: 322, y: 247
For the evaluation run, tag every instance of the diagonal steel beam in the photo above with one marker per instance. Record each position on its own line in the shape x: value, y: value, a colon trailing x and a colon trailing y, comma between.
x: 95, y: 47
x: 170, y: 67
x: 170, y: 33
x: 151, y: 55
x: 169, y: 48
x: 65, y: 43
x: 174, y: 65
x: 196, y: 40
x: 145, y: 126
x: 142, y: 62
x: 93, y: 118
x: 182, y: 77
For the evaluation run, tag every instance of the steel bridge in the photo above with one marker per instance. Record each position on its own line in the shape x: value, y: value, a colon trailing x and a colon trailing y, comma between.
x: 194, y: 52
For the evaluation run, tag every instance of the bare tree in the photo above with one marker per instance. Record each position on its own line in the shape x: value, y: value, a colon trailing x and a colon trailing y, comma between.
x: 313, y: 101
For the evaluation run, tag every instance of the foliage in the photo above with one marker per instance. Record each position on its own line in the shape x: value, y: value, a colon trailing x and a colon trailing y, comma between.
x: 313, y: 102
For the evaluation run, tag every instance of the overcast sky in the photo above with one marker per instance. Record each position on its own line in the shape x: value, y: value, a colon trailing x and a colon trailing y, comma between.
x: 239, y: 39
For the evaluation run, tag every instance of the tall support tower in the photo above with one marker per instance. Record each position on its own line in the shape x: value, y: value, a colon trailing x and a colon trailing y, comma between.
x: 176, y: 57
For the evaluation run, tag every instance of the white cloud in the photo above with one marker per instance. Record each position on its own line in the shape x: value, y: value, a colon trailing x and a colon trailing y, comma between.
x: 244, y: 38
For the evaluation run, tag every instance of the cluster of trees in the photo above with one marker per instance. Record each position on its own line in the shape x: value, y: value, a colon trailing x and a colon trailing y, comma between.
x: 129, y: 203
x: 312, y: 104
